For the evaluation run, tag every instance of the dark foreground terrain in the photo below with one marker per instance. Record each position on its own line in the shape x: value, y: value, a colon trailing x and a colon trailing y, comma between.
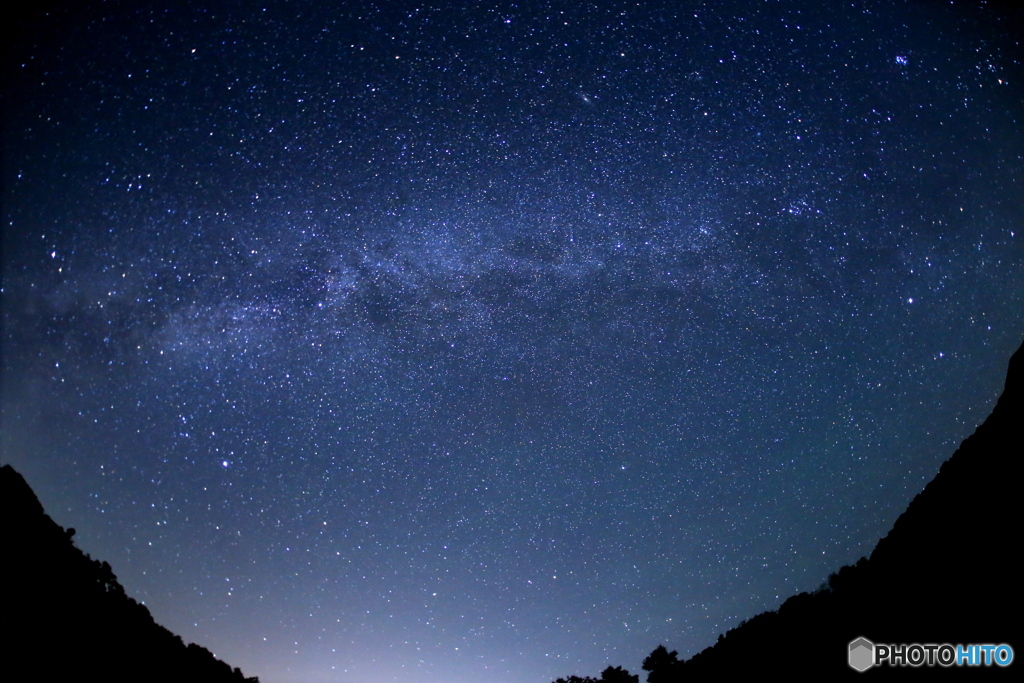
x: 66, y: 617
x: 948, y: 572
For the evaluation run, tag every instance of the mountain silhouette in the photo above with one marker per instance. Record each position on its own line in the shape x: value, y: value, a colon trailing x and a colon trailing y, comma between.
x: 948, y: 572
x: 65, y: 616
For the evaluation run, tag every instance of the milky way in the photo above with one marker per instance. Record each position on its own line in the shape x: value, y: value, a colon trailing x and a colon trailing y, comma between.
x: 411, y: 342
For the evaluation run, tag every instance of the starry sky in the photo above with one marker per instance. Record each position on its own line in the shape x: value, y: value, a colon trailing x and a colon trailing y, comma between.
x: 394, y: 341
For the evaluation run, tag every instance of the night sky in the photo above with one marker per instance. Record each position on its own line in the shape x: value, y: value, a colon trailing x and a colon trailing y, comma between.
x: 389, y: 341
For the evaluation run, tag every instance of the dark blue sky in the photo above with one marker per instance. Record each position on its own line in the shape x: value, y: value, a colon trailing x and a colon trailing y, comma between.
x: 386, y: 341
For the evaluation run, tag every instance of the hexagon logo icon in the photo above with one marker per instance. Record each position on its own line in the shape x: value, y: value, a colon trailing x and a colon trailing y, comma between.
x: 862, y: 654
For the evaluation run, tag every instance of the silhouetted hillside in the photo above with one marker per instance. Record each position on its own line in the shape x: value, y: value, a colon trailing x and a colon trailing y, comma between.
x: 947, y: 572
x: 66, y: 617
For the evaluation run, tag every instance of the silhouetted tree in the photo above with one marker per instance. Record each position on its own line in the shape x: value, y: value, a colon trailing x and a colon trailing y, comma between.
x: 610, y: 675
x: 618, y: 675
x: 661, y: 665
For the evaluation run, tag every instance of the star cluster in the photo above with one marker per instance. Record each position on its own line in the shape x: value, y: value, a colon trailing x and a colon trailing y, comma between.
x: 388, y: 341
